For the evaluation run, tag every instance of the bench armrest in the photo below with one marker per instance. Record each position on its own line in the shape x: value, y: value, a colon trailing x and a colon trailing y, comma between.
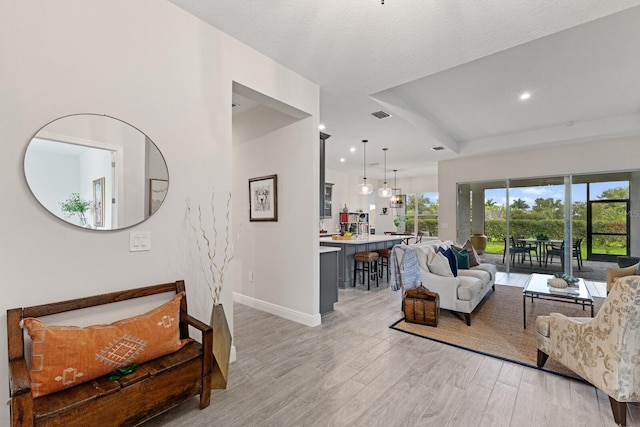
x: 192, y: 321
x: 207, y: 351
x: 19, y: 378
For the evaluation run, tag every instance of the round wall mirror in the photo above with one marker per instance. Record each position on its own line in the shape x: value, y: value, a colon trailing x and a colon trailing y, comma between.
x: 96, y: 172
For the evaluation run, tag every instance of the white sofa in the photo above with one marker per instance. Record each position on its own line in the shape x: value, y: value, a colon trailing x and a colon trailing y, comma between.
x: 459, y: 294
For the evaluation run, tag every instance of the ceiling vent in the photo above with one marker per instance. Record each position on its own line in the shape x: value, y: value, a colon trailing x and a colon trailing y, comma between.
x: 381, y: 114
x: 438, y: 148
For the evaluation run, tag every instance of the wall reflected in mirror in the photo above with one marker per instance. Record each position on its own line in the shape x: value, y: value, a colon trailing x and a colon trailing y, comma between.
x: 96, y: 172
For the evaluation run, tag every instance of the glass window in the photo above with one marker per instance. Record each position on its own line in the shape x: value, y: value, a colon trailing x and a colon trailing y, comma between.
x: 421, y: 214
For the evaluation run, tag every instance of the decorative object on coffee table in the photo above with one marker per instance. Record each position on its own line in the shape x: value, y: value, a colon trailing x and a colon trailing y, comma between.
x: 557, y: 282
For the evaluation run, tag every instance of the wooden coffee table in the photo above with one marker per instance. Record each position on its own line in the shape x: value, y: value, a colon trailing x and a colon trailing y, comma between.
x: 537, y: 287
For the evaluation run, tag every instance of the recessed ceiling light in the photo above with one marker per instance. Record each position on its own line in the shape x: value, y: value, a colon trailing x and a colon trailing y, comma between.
x: 525, y: 95
x: 341, y: 159
x: 352, y: 149
x: 321, y: 126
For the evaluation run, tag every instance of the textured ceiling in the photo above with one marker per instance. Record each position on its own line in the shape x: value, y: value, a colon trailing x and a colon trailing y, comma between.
x: 450, y: 71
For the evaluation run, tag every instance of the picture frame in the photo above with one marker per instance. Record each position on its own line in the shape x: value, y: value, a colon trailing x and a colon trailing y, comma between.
x: 263, y: 198
x: 98, y: 202
x: 157, y: 192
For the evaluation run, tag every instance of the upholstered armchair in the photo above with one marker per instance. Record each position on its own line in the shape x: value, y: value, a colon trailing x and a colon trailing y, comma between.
x: 604, y: 350
x: 615, y: 273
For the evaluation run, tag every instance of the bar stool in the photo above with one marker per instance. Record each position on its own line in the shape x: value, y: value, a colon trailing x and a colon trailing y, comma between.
x: 369, y: 262
x: 383, y: 261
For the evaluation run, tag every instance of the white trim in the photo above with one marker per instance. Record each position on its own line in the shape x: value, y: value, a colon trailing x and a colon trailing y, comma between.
x: 232, y: 357
x: 287, y: 313
x: 74, y: 140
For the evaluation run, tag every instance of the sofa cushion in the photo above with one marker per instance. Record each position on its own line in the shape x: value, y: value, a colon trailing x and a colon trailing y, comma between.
x: 64, y: 356
x: 453, y: 263
x: 481, y: 275
x: 439, y: 264
x: 489, y: 268
x: 468, y: 287
x: 462, y: 257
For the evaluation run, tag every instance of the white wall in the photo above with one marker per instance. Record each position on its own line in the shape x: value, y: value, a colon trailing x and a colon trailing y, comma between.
x: 419, y: 184
x: 340, y: 196
x: 165, y: 72
x: 275, y: 253
x: 592, y: 157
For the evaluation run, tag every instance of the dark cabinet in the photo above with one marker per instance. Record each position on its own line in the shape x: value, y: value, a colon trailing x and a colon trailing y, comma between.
x: 325, y: 210
x: 326, y: 189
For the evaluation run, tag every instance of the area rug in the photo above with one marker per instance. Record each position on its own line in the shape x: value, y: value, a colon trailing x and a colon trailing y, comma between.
x: 497, y: 329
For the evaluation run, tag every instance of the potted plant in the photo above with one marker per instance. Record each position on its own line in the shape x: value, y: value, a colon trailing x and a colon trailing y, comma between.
x: 398, y: 220
x: 75, y: 205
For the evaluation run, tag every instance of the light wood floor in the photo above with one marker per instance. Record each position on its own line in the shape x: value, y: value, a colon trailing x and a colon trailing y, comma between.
x: 355, y: 371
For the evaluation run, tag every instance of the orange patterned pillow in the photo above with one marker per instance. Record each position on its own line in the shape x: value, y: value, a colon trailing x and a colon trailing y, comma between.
x: 64, y: 356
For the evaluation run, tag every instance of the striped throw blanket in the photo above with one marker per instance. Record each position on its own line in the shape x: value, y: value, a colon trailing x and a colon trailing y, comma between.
x: 406, y: 275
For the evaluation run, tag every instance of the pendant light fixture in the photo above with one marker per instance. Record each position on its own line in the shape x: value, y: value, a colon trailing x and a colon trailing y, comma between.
x: 396, y: 200
x: 385, y: 191
x: 364, y: 188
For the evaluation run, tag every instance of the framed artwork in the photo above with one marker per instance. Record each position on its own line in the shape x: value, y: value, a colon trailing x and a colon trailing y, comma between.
x: 157, y: 192
x: 263, y: 198
x: 98, y: 202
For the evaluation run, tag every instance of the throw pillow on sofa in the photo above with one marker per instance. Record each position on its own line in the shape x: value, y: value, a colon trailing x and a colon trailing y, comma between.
x: 453, y: 263
x: 474, y: 258
x: 439, y: 264
x: 462, y: 257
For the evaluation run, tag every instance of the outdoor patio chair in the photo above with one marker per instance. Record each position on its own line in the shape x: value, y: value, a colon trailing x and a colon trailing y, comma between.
x: 576, y: 252
x: 519, y: 248
x: 554, y: 250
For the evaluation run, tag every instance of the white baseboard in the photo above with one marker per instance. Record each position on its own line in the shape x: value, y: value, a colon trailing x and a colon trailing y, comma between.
x: 232, y: 357
x: 287, y: 313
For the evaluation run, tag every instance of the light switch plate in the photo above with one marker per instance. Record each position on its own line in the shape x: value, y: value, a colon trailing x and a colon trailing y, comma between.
x: 139, y: 241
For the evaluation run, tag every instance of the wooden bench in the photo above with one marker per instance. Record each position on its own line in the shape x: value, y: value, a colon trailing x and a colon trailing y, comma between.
x: 155, y: 387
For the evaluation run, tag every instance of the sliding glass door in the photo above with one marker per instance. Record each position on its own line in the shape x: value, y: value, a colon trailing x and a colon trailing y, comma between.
x: 582, y: 217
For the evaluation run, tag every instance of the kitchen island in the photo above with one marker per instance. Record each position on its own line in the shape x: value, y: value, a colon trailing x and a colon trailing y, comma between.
x: 328, y: 278
x: 350, y: 247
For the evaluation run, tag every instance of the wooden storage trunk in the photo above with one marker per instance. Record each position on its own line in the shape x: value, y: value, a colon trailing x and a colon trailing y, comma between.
x: 422, y: 306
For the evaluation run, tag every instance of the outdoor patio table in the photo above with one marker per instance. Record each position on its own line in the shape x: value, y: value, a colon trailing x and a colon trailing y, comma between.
x: 541, y: 246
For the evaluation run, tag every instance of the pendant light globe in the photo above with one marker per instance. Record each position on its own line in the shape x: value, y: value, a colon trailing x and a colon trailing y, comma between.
x: 385, y: 192
x: 364, y: 188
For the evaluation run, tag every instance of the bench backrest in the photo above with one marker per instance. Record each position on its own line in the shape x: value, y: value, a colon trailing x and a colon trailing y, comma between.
x: 15, y: 315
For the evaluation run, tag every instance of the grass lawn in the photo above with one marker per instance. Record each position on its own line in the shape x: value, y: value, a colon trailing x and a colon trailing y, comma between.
x: 498, y: 248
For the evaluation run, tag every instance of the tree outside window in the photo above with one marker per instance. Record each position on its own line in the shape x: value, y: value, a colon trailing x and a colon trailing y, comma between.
x: 422, y: 213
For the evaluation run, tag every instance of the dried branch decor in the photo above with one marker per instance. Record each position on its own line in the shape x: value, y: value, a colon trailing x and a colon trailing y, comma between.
x: 213, y: 268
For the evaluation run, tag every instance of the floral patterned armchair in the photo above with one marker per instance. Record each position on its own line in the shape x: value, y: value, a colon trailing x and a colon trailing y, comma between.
x: 604, y: 350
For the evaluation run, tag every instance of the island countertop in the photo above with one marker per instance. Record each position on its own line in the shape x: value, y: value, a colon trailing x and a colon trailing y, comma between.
x: 325, y: 249
x: 372, y: 238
